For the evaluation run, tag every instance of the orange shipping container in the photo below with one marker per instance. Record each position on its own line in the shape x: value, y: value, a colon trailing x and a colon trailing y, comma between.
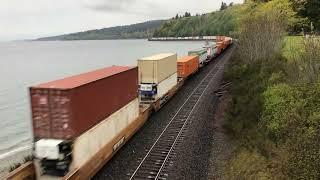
x: 220, y: 47
x: 187, y: 65
x: 220, y: 38
x: 225, y: 44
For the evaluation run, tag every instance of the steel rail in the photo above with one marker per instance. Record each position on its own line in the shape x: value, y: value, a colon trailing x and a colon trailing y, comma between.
x: 174, y: 131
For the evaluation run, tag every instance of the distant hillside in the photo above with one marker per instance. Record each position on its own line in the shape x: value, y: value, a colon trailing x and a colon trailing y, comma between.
x: 215, y: 23
x: 134, y: 31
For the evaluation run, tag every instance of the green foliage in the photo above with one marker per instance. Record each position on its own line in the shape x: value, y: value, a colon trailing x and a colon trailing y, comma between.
x: 223, y: 6
x: 304, y: 59
x: 251, y: 165
x: 257, y: 157
x: 221, y: 22
x: 187, y: 14
x: 248, y: 165
x: 304, y: 161
x: 309, y: 9
x: 292, y: 47
x: 302, y: 8
x: 291, y: 110
x: 140, y: 30
x: 261, y: 29
x: 274, y: 117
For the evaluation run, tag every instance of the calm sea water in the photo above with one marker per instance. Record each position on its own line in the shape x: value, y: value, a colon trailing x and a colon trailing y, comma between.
x: 23, y: 64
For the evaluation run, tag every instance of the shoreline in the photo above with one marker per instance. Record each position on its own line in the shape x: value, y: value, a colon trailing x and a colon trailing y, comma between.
x: 12, y: 158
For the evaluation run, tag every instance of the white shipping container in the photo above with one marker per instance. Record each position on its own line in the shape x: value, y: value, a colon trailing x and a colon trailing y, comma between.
x: 214, y: 50
x: 202, y: 53
x: 166, y: 85
x: 202, y: 58
x: 89, y: 143
x: 154, y: 69
x: 210, y: 52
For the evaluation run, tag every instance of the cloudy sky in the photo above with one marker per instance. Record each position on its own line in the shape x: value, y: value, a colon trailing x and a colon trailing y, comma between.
x: 27, y: 19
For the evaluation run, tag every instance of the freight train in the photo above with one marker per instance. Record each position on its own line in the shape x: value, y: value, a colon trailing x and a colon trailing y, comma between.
x: 80, y: 122
x: 191, y: 38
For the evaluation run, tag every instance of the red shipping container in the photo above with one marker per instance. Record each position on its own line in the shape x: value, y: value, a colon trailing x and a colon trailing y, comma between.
x: 66, y: 108
x: 187, y: 66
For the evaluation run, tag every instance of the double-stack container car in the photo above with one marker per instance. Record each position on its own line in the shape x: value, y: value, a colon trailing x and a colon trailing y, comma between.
x: 76, y: 118
x: 223, y: 43
x: 211, y: 51
x: 187, y: 66
x: 157, y: 77
x: 228, y: 41
x: 220, y: 47
x: 202, y: 53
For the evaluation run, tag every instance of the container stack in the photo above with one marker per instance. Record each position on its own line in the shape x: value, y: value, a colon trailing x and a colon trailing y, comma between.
x: 202, y: 53
x: 187, y: 66
x: 157, y: 75
x: 220, y: 47
x: 211, y: 50
x: 87, y: 110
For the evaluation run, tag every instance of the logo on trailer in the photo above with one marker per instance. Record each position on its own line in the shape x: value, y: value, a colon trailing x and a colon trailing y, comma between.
x: 148, y: 89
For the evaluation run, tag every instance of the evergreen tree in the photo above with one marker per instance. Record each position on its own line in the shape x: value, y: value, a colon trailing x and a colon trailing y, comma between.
x: 223, y: 6
x: 187, y: 14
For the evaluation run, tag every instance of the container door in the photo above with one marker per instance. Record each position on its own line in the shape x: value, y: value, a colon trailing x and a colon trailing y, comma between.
x: 180, y: 69
x: 40, y: 112
x: 60, y: 105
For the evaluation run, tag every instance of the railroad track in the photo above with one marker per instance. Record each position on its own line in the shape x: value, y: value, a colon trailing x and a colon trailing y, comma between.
x: 153, y: 165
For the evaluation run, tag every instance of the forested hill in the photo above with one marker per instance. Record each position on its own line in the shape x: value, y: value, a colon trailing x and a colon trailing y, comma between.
x: 134, y: 31
x: 218, y: 22
x: 225, y: 21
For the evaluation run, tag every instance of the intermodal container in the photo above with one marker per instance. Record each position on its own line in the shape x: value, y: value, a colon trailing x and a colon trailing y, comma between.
x: 109, y: 132
x: 225, y: 43
x: 220, y: 38
x: 187, y: 66
x: 166, y: 85
x: 220, y: 47
x: 202, y: 53
x: 211, y: 50
x: 154, y: 69
x: 229, y: 40
x: 66, y: 108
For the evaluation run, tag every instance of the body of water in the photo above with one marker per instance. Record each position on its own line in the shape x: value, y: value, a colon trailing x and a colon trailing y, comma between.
x: 23, y: 64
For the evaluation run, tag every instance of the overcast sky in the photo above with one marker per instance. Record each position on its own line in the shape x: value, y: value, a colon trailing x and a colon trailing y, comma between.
x: 27, y: 19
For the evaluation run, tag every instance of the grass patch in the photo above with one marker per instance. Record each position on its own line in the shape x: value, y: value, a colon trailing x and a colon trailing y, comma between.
x: 292, y: 46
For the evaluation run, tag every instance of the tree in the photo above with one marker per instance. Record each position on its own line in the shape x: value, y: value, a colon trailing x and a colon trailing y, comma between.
x: 177, y: 16
x: 187, y: 14
x: 223, y: 6
x: 262, y: 28
x: 308, y: 9
x: 311, y: 11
